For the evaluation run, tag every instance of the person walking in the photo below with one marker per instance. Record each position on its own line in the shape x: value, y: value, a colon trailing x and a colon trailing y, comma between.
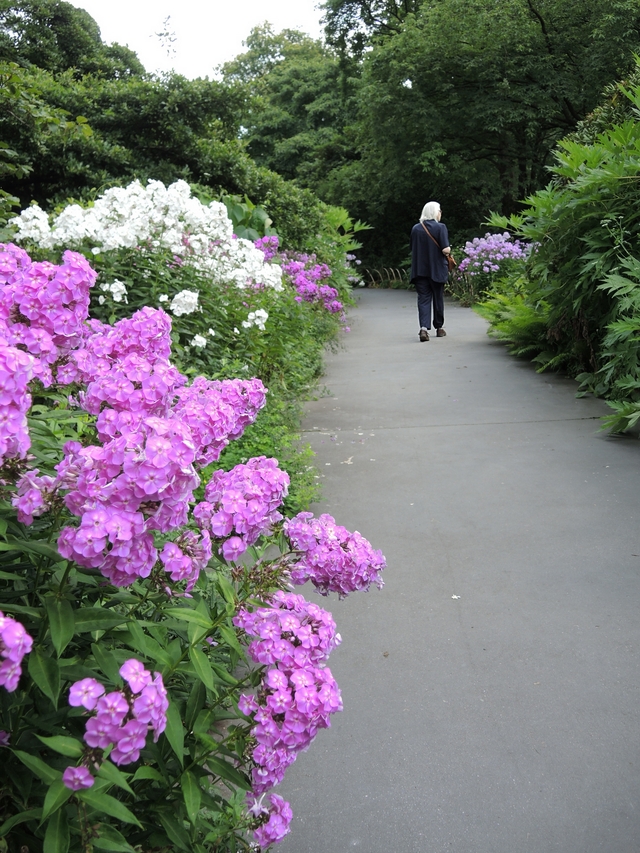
x: 429, y: 268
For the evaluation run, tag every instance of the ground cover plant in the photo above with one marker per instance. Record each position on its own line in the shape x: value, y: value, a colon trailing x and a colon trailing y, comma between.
x: 137, y: 596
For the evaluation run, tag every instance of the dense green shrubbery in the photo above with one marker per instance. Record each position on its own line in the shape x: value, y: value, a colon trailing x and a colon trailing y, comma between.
x: 575, y: 305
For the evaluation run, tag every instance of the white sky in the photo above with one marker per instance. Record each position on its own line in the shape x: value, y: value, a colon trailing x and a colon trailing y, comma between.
x: 208, y: 32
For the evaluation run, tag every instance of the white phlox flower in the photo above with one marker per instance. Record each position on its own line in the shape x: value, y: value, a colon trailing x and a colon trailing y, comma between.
x: 185, y: 302
x: 155, y: 217
x: 256, y: 318
x: 198, y: 341
x: 118, y: 291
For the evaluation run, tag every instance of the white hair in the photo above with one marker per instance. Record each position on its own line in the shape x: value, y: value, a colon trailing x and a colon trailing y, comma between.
x: 430, y: 210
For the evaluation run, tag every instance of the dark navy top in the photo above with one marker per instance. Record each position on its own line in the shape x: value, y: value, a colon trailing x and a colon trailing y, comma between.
x: 427, y: 260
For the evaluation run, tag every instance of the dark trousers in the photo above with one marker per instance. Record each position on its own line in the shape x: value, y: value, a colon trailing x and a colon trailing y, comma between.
x: 430, y: 292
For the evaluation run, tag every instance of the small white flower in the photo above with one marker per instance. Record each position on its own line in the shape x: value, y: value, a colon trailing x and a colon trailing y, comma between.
x: 212, y: 333
x: 163, y: 298
x: 185, y: 302
x: 199, y: 341
x: 101, y: 300
x: 236, y: 331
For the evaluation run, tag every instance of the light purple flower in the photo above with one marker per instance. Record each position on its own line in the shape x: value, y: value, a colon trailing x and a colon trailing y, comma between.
x: 77, y: 778
x: 85, y: 693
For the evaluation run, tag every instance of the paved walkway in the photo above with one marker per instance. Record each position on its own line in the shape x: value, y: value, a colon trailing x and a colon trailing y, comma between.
x: 492, y: 689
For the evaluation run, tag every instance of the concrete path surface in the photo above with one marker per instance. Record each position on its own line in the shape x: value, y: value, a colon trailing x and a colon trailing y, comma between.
x: 492, y: 689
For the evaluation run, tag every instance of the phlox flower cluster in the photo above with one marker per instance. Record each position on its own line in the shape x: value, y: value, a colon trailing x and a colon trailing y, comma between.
x: 331, y: 557
x: 122, y: 719
x: 276, y: 817
x: 304, y: 274
x: 16, y: 371
x: 155, y: 217
x: 298, y: 694
x: 486, y: 254
x: 185, y: 558
x: 256, y: 318
x: 117, y: 290
x: 43, y: 306
x: 185, y: 302
x: 243, y: 502
x: 15, y: 643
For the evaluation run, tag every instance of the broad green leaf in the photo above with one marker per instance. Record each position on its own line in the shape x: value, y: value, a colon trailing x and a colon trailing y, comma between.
x: 109, y: 771
x: 97, y: 619
x: 61, y: 622
x: 227, y: 772
x: 46, y: 674
x: 174, y: 731
x: 146, y: 772
x: 34, y: 612
x: 109, y: 838
x: 57, y: 795
x: 68, y: 746
x: 56, y: 839
x: 107, y: 662
x: 107, y: 805
x: 189, y: 616
x: 38, y: 766
x: 201, y: 665
x: 23, y: 817
x: 191, y: 794
x: 175, y: 830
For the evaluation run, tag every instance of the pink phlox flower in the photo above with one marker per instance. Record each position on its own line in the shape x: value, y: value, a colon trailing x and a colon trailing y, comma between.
x: 77, y: 778
x: 134, y: 673
x: 85, y: 693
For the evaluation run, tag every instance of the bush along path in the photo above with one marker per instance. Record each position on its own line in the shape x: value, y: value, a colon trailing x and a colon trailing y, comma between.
x: 158, y: 676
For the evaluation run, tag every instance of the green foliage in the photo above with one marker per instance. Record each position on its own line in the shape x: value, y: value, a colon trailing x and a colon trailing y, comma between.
x: 577, y: 307
x: 464, y: 101
x: 58, y: 36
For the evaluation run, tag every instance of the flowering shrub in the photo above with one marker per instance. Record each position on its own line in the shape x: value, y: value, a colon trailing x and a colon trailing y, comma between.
x: 155, y: 696
x: 485, y: 260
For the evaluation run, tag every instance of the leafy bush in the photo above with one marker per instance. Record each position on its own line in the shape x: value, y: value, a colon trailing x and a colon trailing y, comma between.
x: 133, y: 594
x: 575, y: 305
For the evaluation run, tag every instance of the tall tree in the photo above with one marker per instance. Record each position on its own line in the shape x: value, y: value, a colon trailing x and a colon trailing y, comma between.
x: 466, y: 101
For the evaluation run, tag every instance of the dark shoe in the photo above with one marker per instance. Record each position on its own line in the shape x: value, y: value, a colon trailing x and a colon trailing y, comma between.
x: 441, y: 333
x: 423, y: 335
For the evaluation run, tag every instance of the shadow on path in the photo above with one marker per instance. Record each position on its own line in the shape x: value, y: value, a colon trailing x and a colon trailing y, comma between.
x: 505, y: 720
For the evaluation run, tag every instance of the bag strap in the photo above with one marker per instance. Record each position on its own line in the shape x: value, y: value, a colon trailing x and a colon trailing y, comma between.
x: 430, y: 235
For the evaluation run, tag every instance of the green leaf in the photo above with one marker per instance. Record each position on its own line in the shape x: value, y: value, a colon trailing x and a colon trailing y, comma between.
x: 46, y: 674
x: 109, y: 838
x: 68, y: 746
x: 57, y: 795
x: 175, y: 830
x: 38, y: 767
x: 174, y: 731
x: 107, y: 805
x: 191, y: 794
x: 189, y: 616
x: 226, y: 589
x: 23, y: 817
x: 227, y: 772
x: 222, y: 674
x: 109, y: 771
x: 201, y: 665
x: 61, y: 622
x: 31, y: 546
x: 146, y: 772
x: 56, y: 839
x: 107, y: 662
x: 97, y: 619
x: 231, y: 638
x: 34, y: 612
